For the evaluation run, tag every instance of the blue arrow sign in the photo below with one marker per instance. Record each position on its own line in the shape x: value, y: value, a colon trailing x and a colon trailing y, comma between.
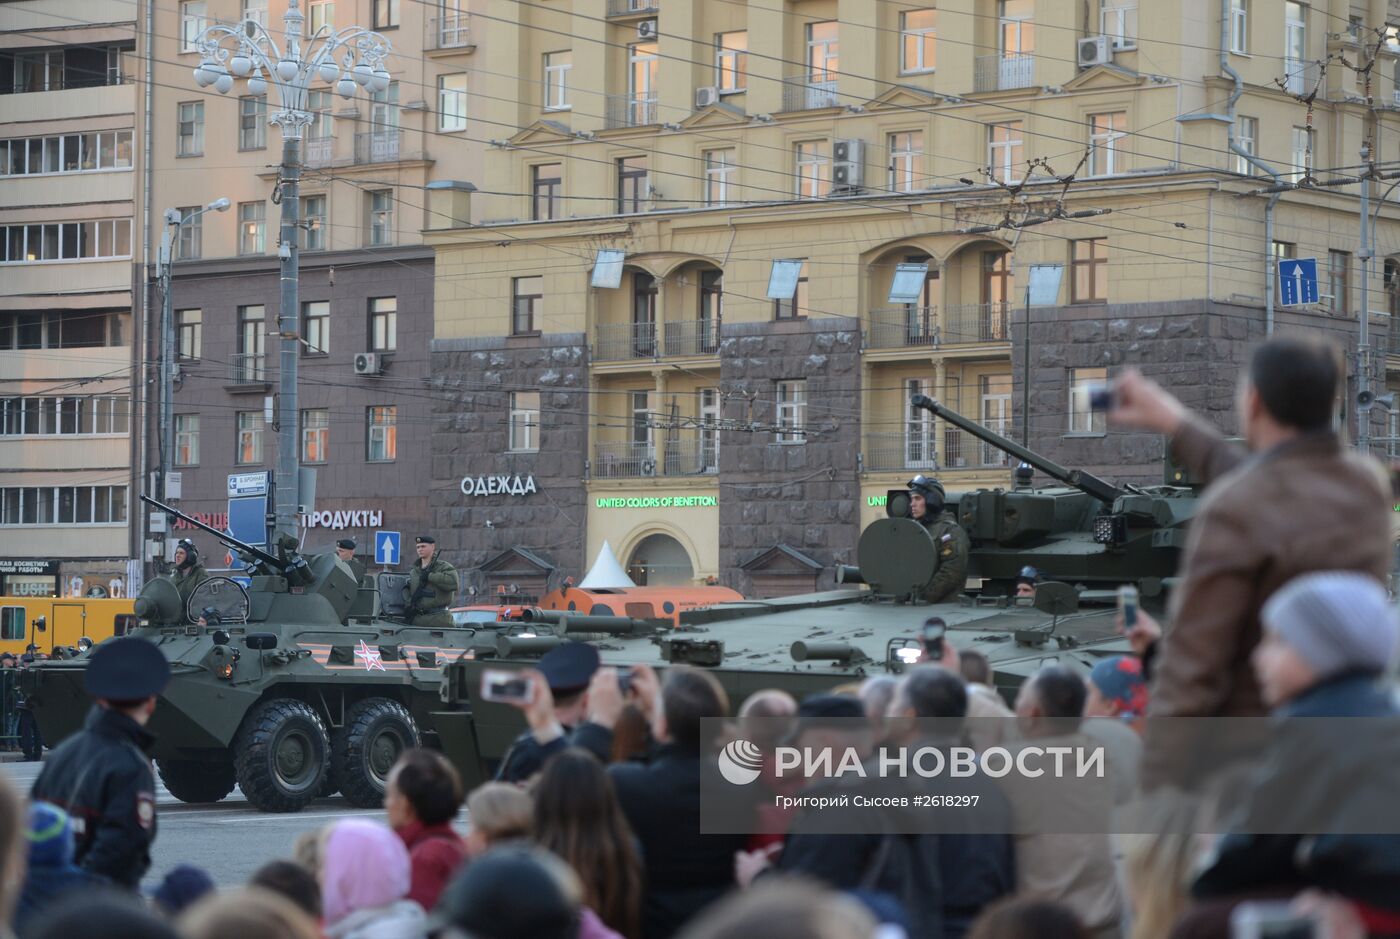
x: 1297, y: 281
x: 386, y: 548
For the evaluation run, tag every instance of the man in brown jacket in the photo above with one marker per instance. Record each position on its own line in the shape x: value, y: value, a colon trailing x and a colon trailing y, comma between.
x: 1295, y: 502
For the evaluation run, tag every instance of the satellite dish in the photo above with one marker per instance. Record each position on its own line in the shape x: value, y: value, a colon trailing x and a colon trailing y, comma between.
x: 606, y: 572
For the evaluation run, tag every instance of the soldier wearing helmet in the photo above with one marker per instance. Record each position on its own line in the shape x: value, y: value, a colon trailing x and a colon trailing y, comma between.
x: 926, y: 506
x: 189, y: 571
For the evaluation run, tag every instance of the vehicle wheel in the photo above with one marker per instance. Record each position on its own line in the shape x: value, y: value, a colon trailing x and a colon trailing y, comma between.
x: 376, y: 731
x: 197, y: 780
x: 280, y: 755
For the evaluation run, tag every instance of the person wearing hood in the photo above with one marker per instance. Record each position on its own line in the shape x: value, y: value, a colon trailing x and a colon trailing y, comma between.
x: 189, y: 570
x: 927, y: 507
x: 365, y: 878
x: 52, y: 875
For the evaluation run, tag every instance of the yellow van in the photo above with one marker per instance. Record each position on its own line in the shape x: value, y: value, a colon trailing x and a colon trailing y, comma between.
x: 64, y: 620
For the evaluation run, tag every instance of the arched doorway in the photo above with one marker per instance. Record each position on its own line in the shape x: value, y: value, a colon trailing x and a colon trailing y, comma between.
x: 660, y: 561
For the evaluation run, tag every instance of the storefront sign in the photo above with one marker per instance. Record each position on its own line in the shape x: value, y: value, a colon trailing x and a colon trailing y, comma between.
x: 21, y: 566
x: 25, y: 585
x: 217, y: 520
x: 362, y: 518
x: 660, y: 502
x: 498, y: 485
x: 876, y: 502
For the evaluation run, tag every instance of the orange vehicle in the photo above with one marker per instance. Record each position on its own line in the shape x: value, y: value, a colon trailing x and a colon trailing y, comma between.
x: 48, y: 622
x: 637, y: 602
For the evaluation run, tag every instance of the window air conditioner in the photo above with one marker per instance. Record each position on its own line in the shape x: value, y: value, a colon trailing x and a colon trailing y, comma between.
x: 646, y: 29
x: 706, y: 96
x: 1094, y: 50
x: 368, y: 363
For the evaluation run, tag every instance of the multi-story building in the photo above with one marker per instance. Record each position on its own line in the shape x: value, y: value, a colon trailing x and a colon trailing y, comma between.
x: 719, y: 245
x: 367, y: 281
x: 71, y: 240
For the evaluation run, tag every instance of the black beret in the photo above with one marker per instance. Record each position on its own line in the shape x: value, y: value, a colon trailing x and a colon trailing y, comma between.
x: 126, y: 669
x: 347, y: 543
x: 425, y: 539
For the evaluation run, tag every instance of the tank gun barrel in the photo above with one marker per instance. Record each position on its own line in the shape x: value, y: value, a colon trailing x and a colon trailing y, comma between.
x: 270, y: 560
x: 1079, y: 479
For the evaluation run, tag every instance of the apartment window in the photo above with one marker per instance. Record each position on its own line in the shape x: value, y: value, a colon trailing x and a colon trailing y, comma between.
x: 1338, y: 281
x: 918, y: 36
x: 37, y: 71
x: 384, y: 123
x: 189, y: 332
x: 1105, y: 130
x: 252, y: 336
x: 641, y: 425
x: 71, y: 415
x: 996, y: 288
x: 249, y: 443
x: 1016, y: 25
x: 386, y: 14
x: 907, y: 161
x: 1295, y: 47
x: 452, y: 102
x: 315, y: 435
x: 557, y: 66
x: 320, y: 15
x: 1246, y: 135
x: 792, y: 410
x: 313, y: 223
x: 719, y: 170
x: 322, y: 126
x: 63, y: 505
x: 732, y: 62
x: 524, y: 421
x: 194, y: 17
x: 1239, y: 26
x: 526, y: 295
x: 1090, y: 264
x: 1082, y: 418
x: 546, y: 186
x: 65, y: 241
x: 252, y: 227
x: 644, y: 65
x: 383, y: 324
x: 797, y: 306
x: 632, y: 188
x: 379, y: 224
x: 316, y: 327
x: 823, y: 54
x: 711, y: 309
x: 255, y: 10
x: 189, y: 234
x: 1299, y: 152
x: 382, y: 436
x: 66, y: 153
x: 252, y: 122
x: 1281, y: 251
x: 186, y: 439
x: 813, y: 169
x: 189, y: 139
x: 1118, y: 21
x: 1004, y: 150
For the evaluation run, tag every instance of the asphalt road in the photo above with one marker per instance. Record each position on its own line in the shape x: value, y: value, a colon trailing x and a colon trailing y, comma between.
x: 230, y: 839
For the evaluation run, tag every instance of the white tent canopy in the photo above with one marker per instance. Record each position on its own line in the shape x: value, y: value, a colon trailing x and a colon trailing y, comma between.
x: 606, y: 572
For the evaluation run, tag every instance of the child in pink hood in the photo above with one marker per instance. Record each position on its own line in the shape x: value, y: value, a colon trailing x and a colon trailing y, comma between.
x: 364, y: 881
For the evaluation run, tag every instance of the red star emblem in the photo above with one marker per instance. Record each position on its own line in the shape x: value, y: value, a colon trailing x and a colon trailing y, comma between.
x: 372, y: 657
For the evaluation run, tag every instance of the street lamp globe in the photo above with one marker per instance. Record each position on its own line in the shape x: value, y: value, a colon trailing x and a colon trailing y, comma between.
x: 345, y: 87
x: 257, y: 85
x: 287, y: 69
x: 240, y: 65
x: 224, y: 83
x: 362, y: 74
x: 329, y: 72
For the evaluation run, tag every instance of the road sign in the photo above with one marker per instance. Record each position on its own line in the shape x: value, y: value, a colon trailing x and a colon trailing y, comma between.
x: 386, y: 548
x: 1297, y: 279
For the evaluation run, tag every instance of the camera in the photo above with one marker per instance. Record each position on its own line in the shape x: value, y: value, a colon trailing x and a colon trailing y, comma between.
x: 934, y: 628
x: 505, y: 687
x: 1101, y: 397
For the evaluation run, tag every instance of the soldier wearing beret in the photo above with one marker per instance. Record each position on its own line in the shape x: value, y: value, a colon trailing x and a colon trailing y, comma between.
x: 926, y: 506
x: 559, y: 702
x: 432, y: 584
x: 102, y: 776
x: 345, y: 550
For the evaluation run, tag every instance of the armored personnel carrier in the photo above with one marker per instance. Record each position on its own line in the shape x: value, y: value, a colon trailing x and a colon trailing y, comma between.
x: 1086, y: 537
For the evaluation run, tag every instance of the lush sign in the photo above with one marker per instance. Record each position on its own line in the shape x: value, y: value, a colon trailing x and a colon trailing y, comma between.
x: 659, y: 502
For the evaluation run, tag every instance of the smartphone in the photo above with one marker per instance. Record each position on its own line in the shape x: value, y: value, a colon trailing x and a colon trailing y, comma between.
x: 505, y: 687
x: 1272, y: 920
x: 624, y: 681
x: 1101, y: 397
x: 1128, y: 605
x: 934, y: 629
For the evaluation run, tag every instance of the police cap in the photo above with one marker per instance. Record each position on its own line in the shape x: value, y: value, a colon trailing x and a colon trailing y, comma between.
x: 126, y: 669
x: 425, y: 539
x: 569, y: 667
x: 347, y: 543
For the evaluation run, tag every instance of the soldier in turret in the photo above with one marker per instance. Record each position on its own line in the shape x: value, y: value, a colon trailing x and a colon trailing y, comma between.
x: 432, y: 585
x: 189, y: 571
x: 926, y: 506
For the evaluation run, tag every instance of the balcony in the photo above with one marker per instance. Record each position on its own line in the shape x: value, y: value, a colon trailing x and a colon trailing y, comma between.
x: 320, y: 151
x: 801, y: 94
x: 381, y: 146
x: 932, y: 446
x: 927, y: 327
x: 1004, y: 72
x: 624, y: 341
x: 694, y: 337
x: 975, y: 322
x: 449, y: 32
x: 633, y: 7
x: 248, y: 368
x: 630, y: 111
x: 677, y: 453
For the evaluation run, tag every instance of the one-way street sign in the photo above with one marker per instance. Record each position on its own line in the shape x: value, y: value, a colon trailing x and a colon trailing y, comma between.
x: 1297, y: 280
x: 386, y: 548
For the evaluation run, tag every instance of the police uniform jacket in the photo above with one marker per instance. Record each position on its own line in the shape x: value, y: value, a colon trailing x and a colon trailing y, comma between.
x: 102, y: 778
x: 952, y: 545
x: 527, y: 756
x: 441, y: 581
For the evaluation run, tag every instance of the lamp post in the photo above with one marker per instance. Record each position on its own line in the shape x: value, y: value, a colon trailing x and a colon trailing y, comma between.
x: 247, y: 50
x: 173, y: 221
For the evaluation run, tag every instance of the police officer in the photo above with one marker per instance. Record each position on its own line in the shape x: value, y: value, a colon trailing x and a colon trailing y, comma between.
x: 189, y: 571
x: 557, y: 721
x: 102, y: 776
x: 432, y: 584
x: 926, y: 506
x: 345, y: 550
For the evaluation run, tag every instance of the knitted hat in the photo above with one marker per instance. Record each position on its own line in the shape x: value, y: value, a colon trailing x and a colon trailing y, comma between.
x: 50, y: 835
x: 1119, y: 679
x: 1338, y: 621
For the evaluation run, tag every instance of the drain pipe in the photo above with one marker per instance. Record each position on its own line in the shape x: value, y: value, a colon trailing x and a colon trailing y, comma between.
x: 1253, y: 161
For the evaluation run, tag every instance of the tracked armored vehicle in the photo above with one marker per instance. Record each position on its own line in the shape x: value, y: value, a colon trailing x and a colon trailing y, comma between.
x: 1086, y: 537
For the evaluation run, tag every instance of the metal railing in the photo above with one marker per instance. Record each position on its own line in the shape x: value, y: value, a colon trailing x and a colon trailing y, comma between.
x: 320, y: 151
x: 452, y: 31
x: 692, y: 337
x: 631, y: 111
x: 933, y: 446
x: 249, y: 368
x: 1004, y: 72
x: 975, y: 322
x: 803, y: 94
x: 629, y: 7
x: 673, y: 453
x: 620, y: 342
x: 902, y: 326
x: 380, y: 146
